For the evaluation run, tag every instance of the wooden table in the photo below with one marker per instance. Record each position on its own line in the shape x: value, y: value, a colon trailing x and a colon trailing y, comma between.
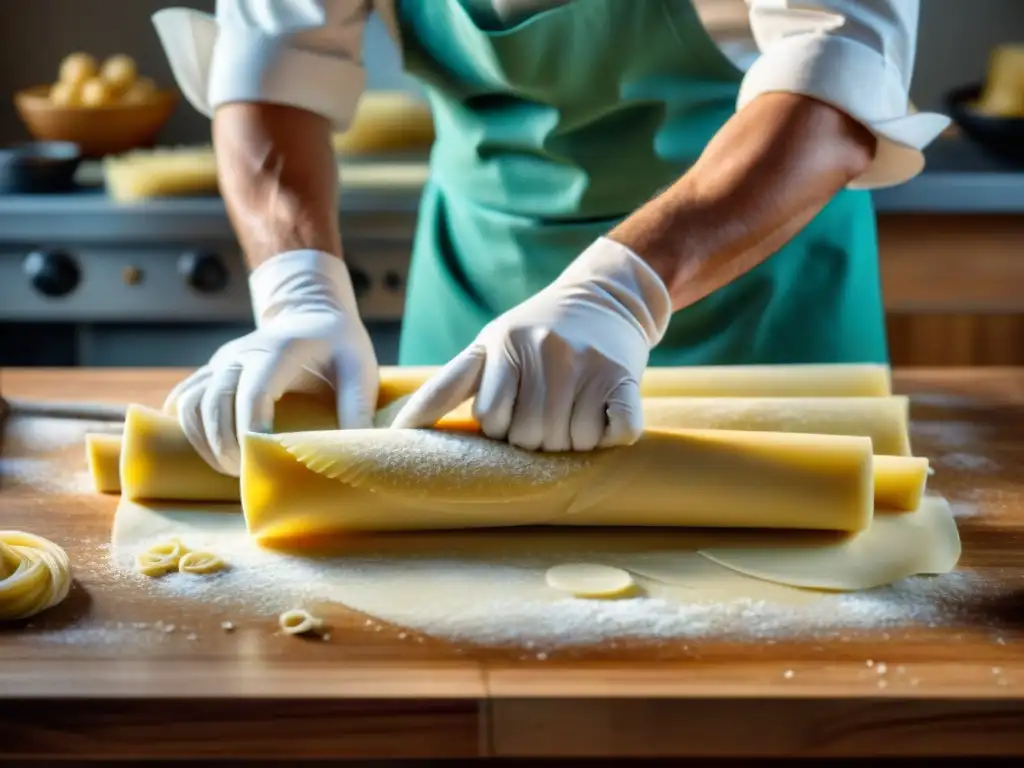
x: 957, y: 688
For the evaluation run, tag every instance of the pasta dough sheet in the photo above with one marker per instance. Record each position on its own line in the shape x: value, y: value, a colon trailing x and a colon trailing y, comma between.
x: 317, y: 483
x: 155, y: 438
x: 433, y: 581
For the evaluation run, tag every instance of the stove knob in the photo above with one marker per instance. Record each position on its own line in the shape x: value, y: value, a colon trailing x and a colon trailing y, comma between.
x: 204, y: 272
x: 52, y: 273
x: 360, y: 281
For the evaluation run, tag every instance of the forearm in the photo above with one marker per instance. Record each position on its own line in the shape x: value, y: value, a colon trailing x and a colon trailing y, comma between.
x: 763, y: 177
x: 278, y: 177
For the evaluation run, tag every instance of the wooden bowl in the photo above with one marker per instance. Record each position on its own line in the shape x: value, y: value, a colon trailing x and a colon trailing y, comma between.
x: 98, y: 131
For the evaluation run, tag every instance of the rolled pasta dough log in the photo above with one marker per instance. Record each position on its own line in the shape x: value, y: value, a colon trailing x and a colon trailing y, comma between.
x: 317, y: 483
x: 157, y: 461
x: 810, y: 380
x: 186, y: 476
x: 900, y: 482
x: 884, y: 419
x: 813, y: 380
x: 160, y: 463
x: 103, y: 453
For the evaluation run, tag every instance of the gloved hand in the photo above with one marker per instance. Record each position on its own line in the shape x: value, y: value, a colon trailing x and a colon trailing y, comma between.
x: 562, y: 370
x: 308, y: 338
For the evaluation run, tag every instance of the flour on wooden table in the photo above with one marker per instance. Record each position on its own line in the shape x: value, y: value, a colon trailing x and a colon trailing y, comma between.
x: 507, y: 604
x: 940, y: 400
x: 964, y: 509
x: 46, y: 435
x: 968, y: 462
x: 45, y: 476
x: 949, y: 434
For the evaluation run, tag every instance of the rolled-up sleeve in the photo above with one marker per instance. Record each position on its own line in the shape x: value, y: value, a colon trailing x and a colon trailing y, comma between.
x: 858, y: 56
x: 299, y: 53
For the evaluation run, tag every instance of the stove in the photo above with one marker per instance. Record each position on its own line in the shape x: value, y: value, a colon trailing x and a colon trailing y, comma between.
x: 86, y: 281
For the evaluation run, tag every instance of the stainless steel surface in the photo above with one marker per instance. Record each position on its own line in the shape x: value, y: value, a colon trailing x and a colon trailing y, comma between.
x: 124, y: 278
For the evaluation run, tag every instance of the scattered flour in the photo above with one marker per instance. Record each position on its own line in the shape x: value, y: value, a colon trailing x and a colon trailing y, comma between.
x: 103, y: 635
x: 969, y: 462
x: 43, y: 475
x: 496, y: 604
x: 964, y: 509
x: 937, y: 400
x: 45, y: 435
x: 948, y: 434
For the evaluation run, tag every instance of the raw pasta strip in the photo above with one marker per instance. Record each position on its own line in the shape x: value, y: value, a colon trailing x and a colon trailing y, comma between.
x: 35, y: 574
x: 311, y: 484
x: 161, y: 465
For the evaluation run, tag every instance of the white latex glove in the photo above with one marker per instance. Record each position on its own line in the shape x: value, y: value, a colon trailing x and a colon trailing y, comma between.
x: 308, y: 338
x: 562, y: 370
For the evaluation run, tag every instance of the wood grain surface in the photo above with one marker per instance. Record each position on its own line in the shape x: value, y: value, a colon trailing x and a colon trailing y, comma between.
x: 72, y: 686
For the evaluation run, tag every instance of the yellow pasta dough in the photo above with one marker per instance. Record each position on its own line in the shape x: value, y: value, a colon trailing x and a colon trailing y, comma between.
x: 900, y: 482
x: 590, y: 580
x: 316, y: 483
x: 884, y: 419
x: 157, y: 461
x: 160, y: 463
x: 313, y: 483
x: 200, y: 563
x: 299, y: 621
x: 161, y: 558
x: 35, y: 574
x: 924, y: 541
x: 811, y: 380
x: 103, y: 453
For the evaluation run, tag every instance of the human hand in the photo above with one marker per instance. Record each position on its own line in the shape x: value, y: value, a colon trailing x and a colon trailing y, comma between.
x: 308, y: 338
x: 560, y: 371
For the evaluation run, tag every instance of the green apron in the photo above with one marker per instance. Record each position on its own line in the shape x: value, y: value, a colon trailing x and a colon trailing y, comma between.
x: 552, y: 130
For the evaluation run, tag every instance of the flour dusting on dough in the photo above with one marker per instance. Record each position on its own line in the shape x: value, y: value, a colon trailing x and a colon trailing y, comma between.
x: 422, y: 462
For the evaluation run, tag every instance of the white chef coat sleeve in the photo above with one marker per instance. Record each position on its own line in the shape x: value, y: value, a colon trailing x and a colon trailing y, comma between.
x: 858, y: 56
x: 299, y: 53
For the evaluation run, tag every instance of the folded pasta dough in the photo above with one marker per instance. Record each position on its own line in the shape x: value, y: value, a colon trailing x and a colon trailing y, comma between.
x: 900, y: 482
x: 319, y: 483
x: 103, y: 453
x: 156, y: 439
x: 884, y: 419
x: 810, y: 380
x: 158, y: 463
